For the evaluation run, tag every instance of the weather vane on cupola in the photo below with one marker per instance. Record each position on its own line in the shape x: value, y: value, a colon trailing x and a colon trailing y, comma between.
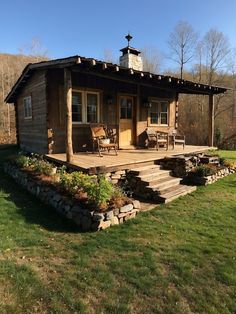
x: 128, y: 37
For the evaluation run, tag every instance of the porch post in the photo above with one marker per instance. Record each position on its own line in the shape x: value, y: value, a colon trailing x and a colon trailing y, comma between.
x: 176, y: 110
x: 68, y: 100
x: 211, y: 121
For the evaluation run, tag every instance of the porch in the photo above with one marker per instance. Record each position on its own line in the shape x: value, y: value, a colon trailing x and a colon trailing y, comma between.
x: 126, y: 159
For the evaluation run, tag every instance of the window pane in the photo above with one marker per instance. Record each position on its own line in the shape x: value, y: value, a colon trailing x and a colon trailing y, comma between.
x: 123, y: 113
x: 163, y: 118
x: 126, y: 108
x: 154, y: 107
x: 77, y: 107
x: 163, y: 107
x: 129, y: 109
x: 154, y: 113
x: 154, y: 118
x: 92, y: 103
x: 123, y: 108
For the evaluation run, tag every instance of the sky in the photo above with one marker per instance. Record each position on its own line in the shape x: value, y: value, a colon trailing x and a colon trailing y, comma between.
x: 89, y: 27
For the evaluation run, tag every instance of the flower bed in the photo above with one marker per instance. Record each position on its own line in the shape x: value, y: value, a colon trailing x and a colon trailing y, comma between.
x: 93, y: 203
x: 199, y: 169
x: 205, y: 174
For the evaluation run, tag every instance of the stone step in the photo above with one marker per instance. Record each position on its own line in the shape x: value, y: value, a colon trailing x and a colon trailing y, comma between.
x: 138, y: 171
x: 170, y: 194
x: 164, y: 183
x: 147, y: 179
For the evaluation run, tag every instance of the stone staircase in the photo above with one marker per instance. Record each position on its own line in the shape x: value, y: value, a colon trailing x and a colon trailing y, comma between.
x: 152, y: 183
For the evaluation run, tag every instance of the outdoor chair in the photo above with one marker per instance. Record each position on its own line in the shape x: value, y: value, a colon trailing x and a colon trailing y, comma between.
x: 102, y: 139
x: 177, y: 139
x: 157, y: 139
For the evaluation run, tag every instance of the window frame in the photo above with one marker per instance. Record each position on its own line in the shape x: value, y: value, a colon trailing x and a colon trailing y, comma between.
x: 85, y: 106
x: 27, y: 107
x: 159, y: 112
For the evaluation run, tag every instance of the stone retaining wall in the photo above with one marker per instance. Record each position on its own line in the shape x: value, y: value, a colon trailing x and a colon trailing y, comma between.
x: 73, y: 209
x: 193, y: 179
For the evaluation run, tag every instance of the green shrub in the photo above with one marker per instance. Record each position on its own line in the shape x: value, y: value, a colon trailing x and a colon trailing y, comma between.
x: 42, y: 166
x: 205, y: 170
x: 99, y: 190
x: 22, y: 161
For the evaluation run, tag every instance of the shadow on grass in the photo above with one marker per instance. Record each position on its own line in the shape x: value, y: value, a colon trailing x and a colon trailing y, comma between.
x: 32, y: 210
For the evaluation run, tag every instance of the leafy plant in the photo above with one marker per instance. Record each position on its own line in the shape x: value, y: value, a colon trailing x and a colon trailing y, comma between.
x: 99, y: 190
x: 22, y: 161
x: 229, y: 163
x: 42, y: 166
x: 204, y: 170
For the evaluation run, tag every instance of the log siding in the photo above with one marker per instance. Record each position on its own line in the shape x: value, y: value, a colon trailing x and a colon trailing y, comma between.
x: 32, y: 132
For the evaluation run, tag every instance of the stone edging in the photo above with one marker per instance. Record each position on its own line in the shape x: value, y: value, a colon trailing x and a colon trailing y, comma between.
x: 87, y: 220
x: 209, y: 179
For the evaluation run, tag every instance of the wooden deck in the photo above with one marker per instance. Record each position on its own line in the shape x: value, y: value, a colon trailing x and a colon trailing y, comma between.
x: 126, y: 159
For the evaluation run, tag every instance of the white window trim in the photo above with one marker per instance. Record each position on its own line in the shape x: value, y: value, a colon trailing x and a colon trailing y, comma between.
x: 84, y: 106
x: 168, y: 111
x: 25, y: 102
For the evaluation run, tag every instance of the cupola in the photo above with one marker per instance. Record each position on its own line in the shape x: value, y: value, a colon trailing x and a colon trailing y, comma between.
x: 131, y: 56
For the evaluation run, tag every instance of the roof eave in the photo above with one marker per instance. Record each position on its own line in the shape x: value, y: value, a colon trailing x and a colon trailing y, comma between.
x: 179, y: 85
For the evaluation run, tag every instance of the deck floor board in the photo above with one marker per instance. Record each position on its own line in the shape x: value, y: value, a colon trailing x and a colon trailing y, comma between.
x: 92, y: 163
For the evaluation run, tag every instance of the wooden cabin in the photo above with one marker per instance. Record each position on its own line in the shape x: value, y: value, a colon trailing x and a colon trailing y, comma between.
x: 56, y: 100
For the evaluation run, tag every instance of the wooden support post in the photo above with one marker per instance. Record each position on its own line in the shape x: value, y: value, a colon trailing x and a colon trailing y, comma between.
x: 176, y: 110
x: 68, y: 101
x: 211, y: 121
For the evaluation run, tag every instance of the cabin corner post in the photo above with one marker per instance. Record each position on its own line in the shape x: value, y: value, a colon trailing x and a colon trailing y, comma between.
x: 68, y: 101
x: 211, y: 120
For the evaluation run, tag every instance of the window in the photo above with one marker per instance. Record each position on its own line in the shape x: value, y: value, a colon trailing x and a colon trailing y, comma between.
x: 92, y: 110
x: 159, y: 112
x: 27, y: 107
x: 85, y: 107
x: 126, y: 108
x: 77, y: 107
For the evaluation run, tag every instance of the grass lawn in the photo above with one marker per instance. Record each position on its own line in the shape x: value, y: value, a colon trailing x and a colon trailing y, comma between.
x: 177, y: 258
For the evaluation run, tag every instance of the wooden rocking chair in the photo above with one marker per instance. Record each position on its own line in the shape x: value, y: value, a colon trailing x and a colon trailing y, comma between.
x: 101, y: 140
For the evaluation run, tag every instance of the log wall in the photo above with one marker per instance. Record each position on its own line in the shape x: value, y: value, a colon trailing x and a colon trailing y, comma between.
x: 32, y: 133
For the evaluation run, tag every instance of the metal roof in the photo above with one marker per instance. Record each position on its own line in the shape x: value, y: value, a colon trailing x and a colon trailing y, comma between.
x: 116, y: 72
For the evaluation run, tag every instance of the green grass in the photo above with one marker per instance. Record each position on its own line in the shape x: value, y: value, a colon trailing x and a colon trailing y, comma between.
x: 177, y: 258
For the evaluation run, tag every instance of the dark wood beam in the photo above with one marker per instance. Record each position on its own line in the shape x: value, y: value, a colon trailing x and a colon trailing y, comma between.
x: 211, y: 121
x: 68, y: 101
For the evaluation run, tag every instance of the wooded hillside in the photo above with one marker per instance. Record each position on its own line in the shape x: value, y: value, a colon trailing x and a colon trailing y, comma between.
x: 11, y: 67
x: 193, y: 115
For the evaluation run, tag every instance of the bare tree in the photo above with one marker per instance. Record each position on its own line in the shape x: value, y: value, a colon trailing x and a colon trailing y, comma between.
x: 108, y: 56
x: 34, y: 49
x: 216, y: 50
x: 152, y: 59
x: 182, y: 42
